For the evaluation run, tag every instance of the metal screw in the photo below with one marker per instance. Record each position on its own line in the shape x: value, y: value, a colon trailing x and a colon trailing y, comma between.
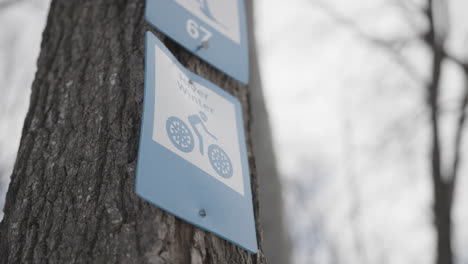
x: 202, y: 213
x: 203, y: 45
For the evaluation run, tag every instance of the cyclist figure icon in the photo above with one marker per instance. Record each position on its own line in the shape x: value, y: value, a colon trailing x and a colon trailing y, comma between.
x: 182, y: 138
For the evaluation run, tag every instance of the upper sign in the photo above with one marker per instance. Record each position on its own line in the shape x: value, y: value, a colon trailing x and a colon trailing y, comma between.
x: 192, y: 160
x: 214, y: 30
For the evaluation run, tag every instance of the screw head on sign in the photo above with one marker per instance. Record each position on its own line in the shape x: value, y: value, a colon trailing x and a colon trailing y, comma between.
x: 202, y: 213
x: 203, y: 45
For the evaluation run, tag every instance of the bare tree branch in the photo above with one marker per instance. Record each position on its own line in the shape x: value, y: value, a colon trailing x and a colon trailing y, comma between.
x: 433, y: 89
x: 461, y: 63
x: 462, y: 113
x: 442, y: 190
x: 410, y: 8
x: 410, y: 5
x: 8, y: 3
x: 459, y: 135
x: 393, y: 46
x: 459, y: 130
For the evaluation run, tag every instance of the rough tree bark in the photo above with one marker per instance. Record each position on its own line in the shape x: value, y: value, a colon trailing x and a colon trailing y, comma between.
x: 71, y: 198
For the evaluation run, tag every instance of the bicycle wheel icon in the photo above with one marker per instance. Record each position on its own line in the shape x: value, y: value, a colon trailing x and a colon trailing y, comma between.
x: 220, y: 161
x: 179, y: 134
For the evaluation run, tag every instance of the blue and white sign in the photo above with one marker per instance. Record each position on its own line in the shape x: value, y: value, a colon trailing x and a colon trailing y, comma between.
x: 214, y: 30
x: 192, y: 159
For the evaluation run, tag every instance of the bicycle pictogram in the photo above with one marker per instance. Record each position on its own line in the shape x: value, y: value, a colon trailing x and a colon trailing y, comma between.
x: 182, y: 138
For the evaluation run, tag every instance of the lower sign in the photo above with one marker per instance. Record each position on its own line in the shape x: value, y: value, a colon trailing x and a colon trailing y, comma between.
x: 192, y: 159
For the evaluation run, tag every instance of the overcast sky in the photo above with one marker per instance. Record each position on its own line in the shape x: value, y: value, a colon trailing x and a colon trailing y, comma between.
x: 21, y: 27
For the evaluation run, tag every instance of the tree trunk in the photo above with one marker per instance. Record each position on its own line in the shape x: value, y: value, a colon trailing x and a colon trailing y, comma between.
x: 72, y: 193
x: 442, y: 185
x: 441, y: 189
x: 443, y: 224
x: 277, y: 244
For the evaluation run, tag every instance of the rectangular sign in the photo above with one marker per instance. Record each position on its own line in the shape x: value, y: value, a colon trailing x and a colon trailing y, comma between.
x: 192, y: 159
x: 214, y: 30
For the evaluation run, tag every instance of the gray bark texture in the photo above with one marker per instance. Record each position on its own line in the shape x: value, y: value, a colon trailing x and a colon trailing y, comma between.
x: 71, y: 198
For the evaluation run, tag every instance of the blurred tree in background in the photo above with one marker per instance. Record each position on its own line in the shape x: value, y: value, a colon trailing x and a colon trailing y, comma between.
x: 444, y: 167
